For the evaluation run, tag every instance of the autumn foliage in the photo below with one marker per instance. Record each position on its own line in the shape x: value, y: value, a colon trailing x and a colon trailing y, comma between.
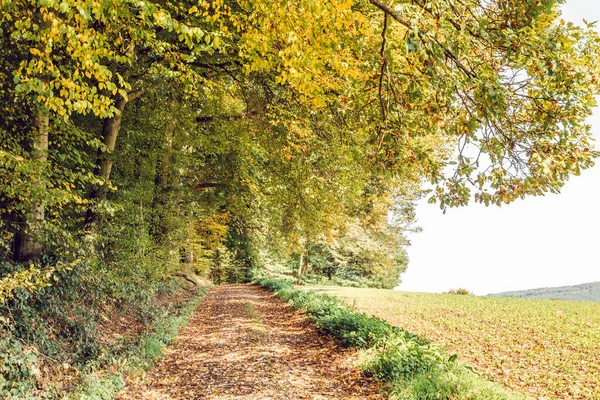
x: 143, y: 140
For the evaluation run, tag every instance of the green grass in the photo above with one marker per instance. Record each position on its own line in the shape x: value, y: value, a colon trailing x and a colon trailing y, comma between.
x: 98, y: 388
x: 544, y: 348
x: 414, y: 368
x: 257, y: 325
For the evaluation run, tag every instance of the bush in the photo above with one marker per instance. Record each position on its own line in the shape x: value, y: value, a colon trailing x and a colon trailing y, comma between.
x: 16, y: 368
x: 93, y: 388
x: 59, y: 324
x: 460, y: 291
x: 400, y: 358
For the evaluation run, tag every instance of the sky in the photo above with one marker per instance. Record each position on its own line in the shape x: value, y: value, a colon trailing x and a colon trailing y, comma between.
x: 546, y: 241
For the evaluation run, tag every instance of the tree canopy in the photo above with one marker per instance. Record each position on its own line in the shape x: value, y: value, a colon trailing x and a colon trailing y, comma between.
x: 142, y: 139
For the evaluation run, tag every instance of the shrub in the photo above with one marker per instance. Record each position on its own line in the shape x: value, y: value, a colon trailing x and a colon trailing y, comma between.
x: 16, y: 368
x: 460, y: 291
x: 400, y: 358
x: 93, y: 388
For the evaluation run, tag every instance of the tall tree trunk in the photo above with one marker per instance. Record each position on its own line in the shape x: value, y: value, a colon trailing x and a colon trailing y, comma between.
x: 161, y: 182
x: 305, y: 268
x: 300, y: 264
x: 27, y: 243
x: 188, y: 272
x: 189, y: 256
x: 162, y: 176
x: 110, y: 130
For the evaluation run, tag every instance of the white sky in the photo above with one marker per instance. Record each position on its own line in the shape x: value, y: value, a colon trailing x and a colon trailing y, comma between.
x: 537, y: 242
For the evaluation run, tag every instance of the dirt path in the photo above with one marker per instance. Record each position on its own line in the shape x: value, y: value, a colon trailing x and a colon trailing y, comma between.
x: 245, y: 343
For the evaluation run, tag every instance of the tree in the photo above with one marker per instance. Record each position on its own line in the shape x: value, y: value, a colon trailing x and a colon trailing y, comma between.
x: 282, y: 115
x: 506, y: 82
x: 208, y: 139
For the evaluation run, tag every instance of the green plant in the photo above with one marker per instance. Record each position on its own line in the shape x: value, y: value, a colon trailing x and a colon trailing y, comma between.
x: 141, y: 356
x: 414, y: 368
x: 17, y: 367
x: 94, y: 388
x: 397, y: 358
x: 162, y: 333
x: 257, y: 325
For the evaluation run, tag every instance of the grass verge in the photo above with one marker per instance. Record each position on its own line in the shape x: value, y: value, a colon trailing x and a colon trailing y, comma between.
x: 413, y: 368
x: 141, y: 357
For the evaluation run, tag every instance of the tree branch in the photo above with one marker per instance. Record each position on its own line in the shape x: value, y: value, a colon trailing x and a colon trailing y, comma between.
x: 135, y: 94
x: 408, y: 25
x: 383, y: 66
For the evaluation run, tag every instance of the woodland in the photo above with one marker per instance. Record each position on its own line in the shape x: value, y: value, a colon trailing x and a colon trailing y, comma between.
x: 214, y: 140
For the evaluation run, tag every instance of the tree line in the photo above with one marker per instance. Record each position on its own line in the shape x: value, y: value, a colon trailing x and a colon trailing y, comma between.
x: 141, y: 140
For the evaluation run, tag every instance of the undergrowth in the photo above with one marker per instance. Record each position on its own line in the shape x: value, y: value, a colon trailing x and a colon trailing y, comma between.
x: 50, y: 348
x: 413, y: 368
x: 139, y: 357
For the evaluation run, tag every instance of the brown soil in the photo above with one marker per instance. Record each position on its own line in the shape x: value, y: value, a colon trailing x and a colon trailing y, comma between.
x: 245, y: 343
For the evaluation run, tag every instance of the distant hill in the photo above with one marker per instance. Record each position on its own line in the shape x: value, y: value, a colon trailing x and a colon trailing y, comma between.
x: 583, y: 292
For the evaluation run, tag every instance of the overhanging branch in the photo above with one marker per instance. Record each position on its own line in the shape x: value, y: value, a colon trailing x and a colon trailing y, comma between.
x: 389, y: 11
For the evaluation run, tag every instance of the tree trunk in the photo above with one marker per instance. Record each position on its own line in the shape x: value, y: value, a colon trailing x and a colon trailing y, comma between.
x: 306, y: 262
x: 27, y: 242
x: 162, y: 176
x: 110, y: 131
x: 300, y: 262
x: 189, y: 257
x: 161, y: 182
x: 142, y: 227
x: 188, y: 271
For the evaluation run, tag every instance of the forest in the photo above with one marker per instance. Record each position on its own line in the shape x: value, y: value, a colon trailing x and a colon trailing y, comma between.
x: 212, y: 140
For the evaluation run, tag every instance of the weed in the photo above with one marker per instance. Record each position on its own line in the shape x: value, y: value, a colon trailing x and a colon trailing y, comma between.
x: 93, y: 388
x: 257, y: 324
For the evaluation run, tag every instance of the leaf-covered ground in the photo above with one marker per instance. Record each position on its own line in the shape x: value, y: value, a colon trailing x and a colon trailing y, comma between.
x: 544, y: 348
x: 245, y: 343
